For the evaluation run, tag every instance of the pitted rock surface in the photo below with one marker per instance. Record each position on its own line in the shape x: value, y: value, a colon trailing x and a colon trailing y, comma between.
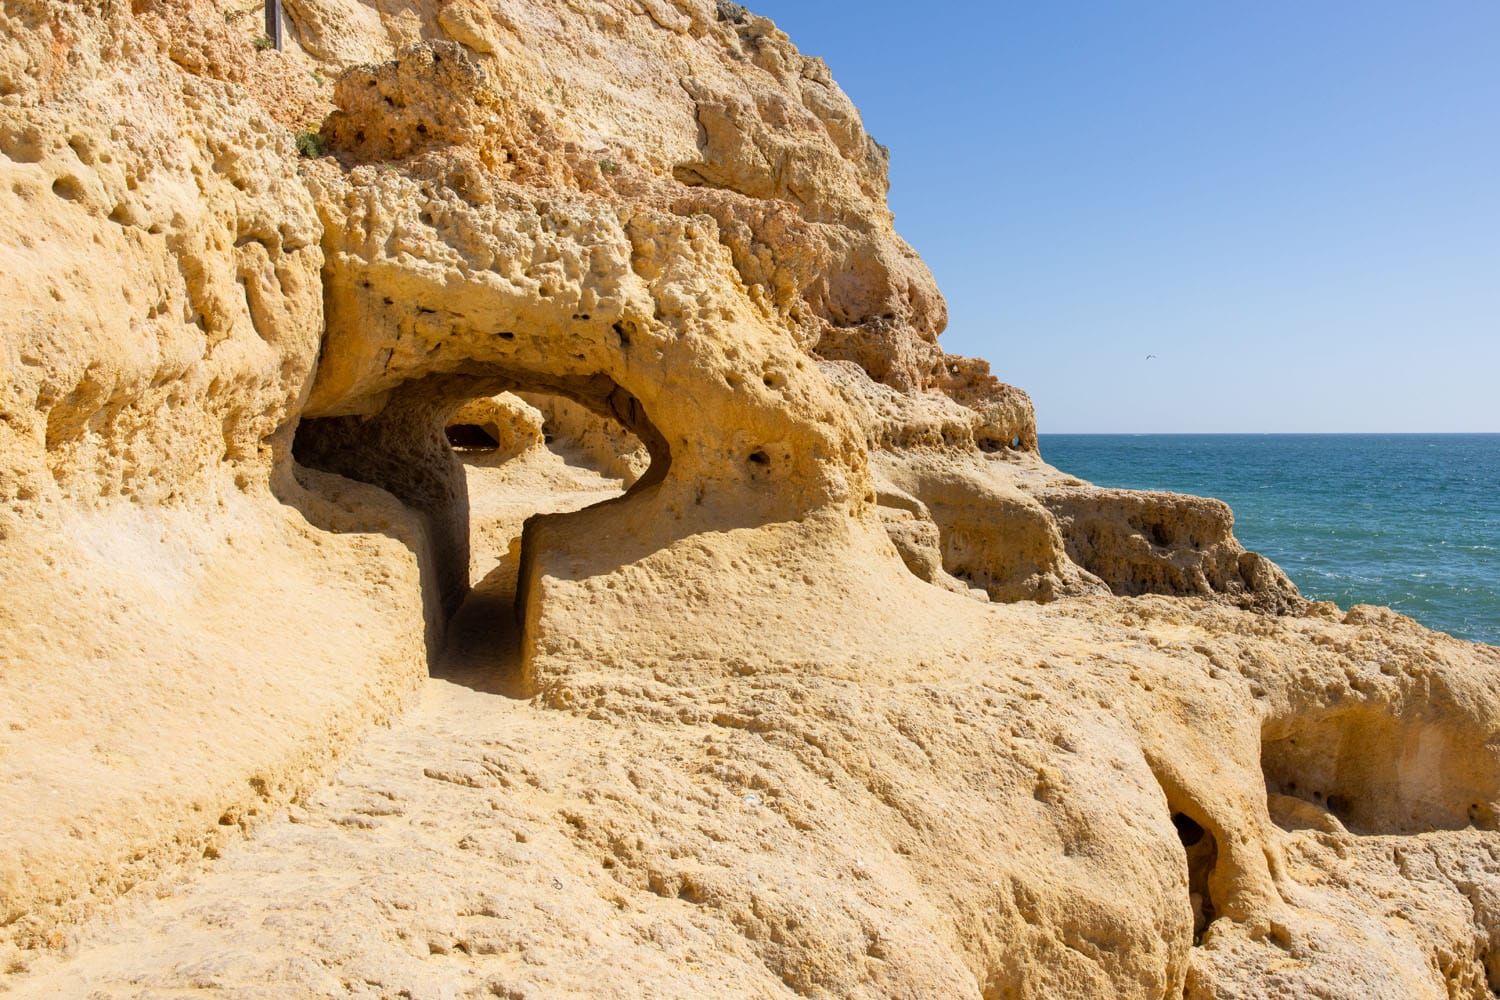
x: 531, y: 543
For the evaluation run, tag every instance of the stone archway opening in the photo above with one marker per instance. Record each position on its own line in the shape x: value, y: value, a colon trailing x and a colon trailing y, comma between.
x: 473, y: 459
x: 549, y: 456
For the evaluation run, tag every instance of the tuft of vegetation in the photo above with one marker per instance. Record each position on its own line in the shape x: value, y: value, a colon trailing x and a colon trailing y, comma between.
x: 609, y: 167
x: 311, y: 145
x: 734, y: 13
x: 263, y: 42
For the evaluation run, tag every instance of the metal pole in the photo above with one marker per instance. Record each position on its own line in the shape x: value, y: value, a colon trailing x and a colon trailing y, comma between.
x: 273, y: 23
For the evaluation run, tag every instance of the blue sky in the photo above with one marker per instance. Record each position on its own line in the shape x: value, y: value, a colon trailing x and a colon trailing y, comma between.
x: 1295, y: 205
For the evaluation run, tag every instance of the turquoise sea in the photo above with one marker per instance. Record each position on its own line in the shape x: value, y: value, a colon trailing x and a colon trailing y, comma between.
x: 1411, y: 521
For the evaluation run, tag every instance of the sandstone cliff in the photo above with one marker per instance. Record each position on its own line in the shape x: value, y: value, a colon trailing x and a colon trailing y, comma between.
x: 550, y: 371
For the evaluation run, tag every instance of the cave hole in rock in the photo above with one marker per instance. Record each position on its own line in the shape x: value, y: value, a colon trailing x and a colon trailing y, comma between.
x: 1202, y: 852
x: 1361, y: 768
x: 471, y: 438
x: 993, y: 445
x: 472, y: 460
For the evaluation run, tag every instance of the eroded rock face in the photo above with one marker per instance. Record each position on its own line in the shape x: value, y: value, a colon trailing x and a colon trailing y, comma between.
x: 1013, y: 735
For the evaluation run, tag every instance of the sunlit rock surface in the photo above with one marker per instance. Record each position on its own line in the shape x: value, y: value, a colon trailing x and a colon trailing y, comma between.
x: 573, y: 408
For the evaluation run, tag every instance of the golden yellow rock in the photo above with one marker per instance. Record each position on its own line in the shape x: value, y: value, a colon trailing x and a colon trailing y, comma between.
x: 569, y: 403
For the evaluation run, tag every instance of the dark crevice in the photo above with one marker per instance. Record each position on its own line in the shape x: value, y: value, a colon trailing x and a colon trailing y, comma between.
x: 471, y: 437
x: 1202, y: 853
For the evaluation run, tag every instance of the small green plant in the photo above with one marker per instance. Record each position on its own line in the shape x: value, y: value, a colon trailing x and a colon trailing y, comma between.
x: 311, y: 145
x: 263, y: 42
x: 609, y: 167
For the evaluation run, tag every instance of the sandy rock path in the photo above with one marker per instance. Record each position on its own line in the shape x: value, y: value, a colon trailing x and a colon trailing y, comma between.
x: 386, y: 881
x: 376, y: 884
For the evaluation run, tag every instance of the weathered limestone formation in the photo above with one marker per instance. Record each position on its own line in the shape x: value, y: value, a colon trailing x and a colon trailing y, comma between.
x: 809, y: 674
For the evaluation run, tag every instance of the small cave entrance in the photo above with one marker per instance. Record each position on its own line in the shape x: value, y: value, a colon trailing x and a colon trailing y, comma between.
x: 1364, y: 769
x: 1202, y: 852
x: 471, y: 437
x: 472, y: 460
x: 994, y: 445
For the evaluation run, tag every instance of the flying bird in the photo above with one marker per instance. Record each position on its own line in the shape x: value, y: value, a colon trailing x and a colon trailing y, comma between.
x: 1150, y: 356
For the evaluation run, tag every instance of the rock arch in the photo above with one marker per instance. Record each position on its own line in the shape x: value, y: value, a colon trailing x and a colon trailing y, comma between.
x: 405, y: 449
x: 432, y: 299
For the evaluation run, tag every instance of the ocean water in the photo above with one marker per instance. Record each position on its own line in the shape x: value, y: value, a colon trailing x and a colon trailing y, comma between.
x: 1410, y: 521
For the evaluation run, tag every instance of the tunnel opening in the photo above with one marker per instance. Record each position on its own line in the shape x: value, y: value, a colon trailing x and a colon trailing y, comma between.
x: 471, y: 437
x: 552, y: 456
x: 472, y: 461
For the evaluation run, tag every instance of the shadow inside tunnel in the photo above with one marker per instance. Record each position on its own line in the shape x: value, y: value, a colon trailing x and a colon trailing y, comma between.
x: 483, y: 647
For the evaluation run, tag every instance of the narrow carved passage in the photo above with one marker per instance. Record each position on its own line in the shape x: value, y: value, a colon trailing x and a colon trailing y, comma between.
x: 471, y: 472
x: 550, y: 456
